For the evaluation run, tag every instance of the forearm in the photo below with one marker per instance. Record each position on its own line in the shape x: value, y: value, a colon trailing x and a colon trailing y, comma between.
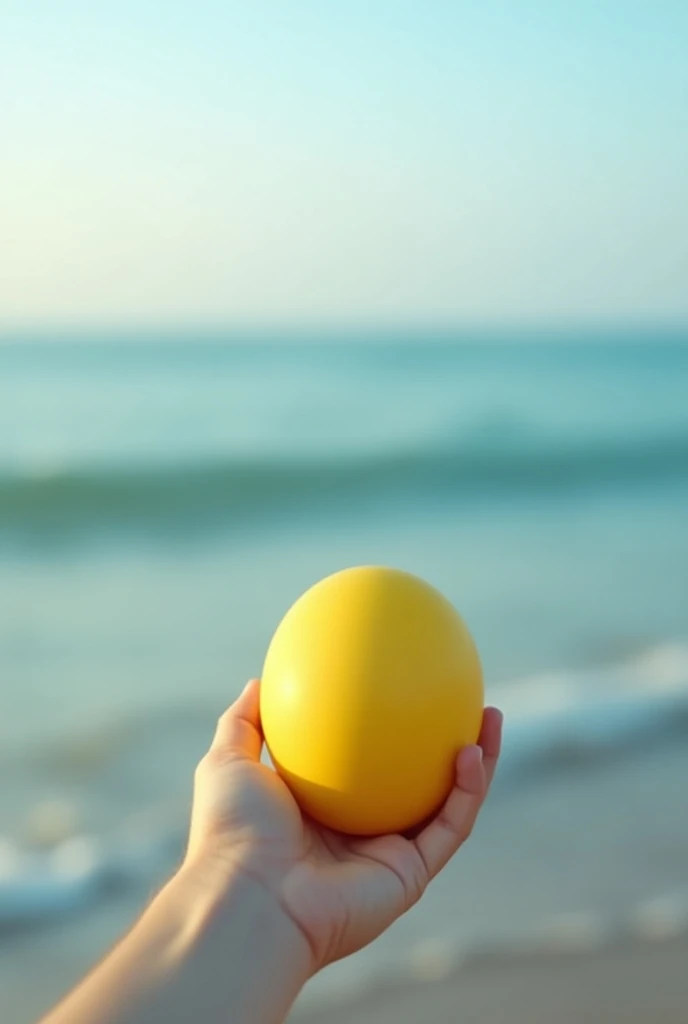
x: 201, y: 953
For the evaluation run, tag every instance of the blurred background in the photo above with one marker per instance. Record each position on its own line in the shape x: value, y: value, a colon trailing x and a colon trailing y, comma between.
x: 286, y: 287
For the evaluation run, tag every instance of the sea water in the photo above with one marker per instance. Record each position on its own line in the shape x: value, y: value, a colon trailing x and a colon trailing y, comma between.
x: 163, y: 501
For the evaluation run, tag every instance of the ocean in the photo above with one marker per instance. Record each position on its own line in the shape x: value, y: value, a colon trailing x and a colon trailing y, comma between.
x: 162, y: 503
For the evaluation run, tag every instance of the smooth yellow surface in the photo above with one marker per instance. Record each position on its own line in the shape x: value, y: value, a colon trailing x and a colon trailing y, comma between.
x: 371, y: 686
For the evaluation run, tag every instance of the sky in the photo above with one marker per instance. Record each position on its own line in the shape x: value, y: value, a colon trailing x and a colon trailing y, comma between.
x: 394, y: 163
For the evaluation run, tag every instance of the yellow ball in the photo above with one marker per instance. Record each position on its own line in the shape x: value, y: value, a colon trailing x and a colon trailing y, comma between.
x: 371, y: 686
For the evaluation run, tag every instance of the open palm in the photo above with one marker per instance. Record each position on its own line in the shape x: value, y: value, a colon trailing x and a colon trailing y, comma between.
x: 341, y: 892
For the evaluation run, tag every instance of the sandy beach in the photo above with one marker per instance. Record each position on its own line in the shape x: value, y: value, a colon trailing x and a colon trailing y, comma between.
x: 631, y: 982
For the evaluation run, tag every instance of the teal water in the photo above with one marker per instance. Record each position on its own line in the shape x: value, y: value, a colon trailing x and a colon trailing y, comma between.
x: 201, y: 439
x: 162, y: 504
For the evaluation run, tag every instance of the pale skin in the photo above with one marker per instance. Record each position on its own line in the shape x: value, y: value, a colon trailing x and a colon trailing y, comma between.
x: 265, y: 897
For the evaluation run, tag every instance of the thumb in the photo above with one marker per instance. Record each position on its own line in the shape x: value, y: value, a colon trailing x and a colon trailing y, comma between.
x: 238, y: 732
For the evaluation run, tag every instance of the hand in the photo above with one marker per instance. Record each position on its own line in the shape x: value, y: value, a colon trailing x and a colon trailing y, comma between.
x: 340, y: 892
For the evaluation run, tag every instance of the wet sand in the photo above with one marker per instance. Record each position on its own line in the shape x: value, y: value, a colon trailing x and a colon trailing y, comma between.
x: 630, y: 982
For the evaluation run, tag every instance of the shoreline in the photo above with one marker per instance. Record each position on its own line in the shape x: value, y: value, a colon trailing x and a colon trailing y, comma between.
x: 630, y: 980
x: 557, y: 882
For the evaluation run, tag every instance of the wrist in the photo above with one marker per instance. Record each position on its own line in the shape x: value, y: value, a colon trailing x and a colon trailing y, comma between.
x: 229, y: 927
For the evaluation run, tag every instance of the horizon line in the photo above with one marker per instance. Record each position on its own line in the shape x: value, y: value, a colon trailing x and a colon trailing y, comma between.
x: 535, y: 330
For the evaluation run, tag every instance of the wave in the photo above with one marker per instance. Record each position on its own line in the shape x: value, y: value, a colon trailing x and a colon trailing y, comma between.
x: 554, y: 721
x: 182, y: 498
x: 561, y: 719
x: 40, y: 885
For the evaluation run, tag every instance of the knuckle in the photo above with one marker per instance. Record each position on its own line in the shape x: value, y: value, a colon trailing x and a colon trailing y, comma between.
x: 205, y: 765
x: 416, y: 887
x: 225, y: 719
x: 460, y: 831
x: 416, y: 881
